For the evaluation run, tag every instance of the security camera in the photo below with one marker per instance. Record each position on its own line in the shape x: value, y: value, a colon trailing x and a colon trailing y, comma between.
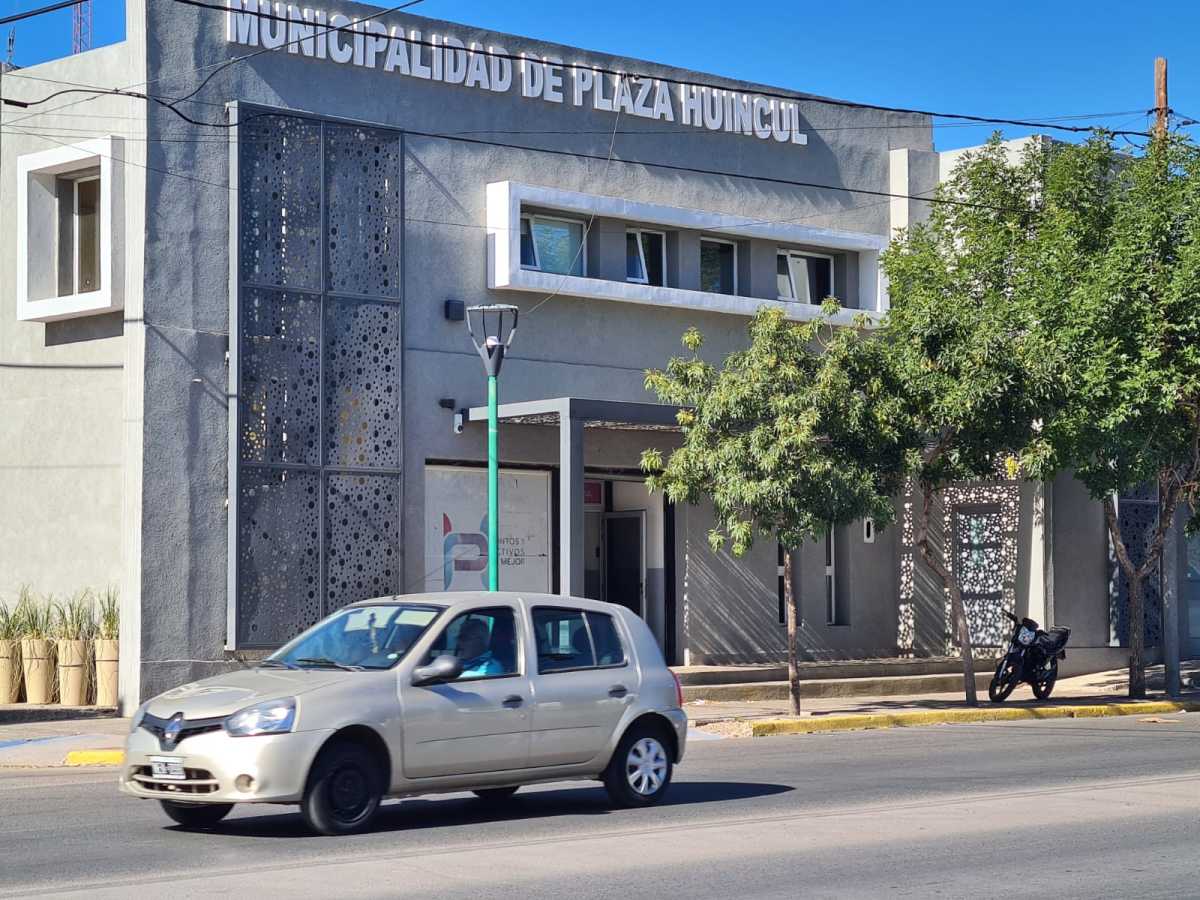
x: 459, y: 418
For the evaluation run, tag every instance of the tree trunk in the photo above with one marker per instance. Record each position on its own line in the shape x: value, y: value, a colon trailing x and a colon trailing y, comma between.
x: 1137, y: 636
x: 793, y: 617
x: 958, y: 613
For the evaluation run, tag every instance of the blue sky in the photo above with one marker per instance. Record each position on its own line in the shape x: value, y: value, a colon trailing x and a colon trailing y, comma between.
x: 1015, y: 60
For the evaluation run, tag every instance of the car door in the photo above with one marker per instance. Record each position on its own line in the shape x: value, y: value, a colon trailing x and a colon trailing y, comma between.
x: 480, y: 721
x: 583, y: 679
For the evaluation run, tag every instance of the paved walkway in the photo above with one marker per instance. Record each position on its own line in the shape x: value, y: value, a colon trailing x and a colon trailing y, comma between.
x: 1102, y: 687
x: 37, y: 744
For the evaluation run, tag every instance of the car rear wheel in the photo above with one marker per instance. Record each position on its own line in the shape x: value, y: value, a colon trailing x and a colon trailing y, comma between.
x: 195, y: 815
x: 640, y: 770
x: 495, y: 795
x: 344, y: 790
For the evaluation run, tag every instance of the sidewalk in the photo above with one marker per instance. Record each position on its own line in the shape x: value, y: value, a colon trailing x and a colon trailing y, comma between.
x: 63, y: 742
x: 1099, y: 694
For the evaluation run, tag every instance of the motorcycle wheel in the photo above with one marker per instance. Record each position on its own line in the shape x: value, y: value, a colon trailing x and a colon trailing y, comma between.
x: 1043, y: 683
x: 1004, y: 681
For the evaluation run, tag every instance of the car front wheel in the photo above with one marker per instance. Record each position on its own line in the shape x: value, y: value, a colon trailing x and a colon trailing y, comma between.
x: 640, y: 770
x: 195, y: 815
x: 344, y: 790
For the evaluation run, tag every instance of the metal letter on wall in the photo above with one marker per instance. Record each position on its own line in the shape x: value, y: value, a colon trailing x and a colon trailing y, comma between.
x: 318, y: 494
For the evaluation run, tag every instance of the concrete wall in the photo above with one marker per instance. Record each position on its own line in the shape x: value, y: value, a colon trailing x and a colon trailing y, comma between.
x: 63, y: 384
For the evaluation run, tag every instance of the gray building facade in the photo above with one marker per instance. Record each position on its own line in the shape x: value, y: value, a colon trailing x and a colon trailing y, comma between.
x: 252, y: 419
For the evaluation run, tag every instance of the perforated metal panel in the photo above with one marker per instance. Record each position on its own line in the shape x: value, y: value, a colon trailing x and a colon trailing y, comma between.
x: 279, y: 566
x: 362, y: 174
x: 280, y: 375
x: 279, y: 201
x: 317, y: 496
x: 362, y: 383
x: 362, y: 538
x: 1137, y: 518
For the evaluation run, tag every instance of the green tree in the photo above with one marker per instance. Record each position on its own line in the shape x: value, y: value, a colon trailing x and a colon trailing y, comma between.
x: 962, y: 337
x: 804, y: 430
x: 1118, y: 276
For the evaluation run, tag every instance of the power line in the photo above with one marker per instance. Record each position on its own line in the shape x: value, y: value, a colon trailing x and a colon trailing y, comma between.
x: 29, y: 14
x: 779, y: 95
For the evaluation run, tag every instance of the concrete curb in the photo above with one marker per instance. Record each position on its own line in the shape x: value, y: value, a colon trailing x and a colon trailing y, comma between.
x: 94, y: 758
x: 811, y: 725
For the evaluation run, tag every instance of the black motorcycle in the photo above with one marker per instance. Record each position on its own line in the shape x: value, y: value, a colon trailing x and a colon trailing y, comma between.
x: 1032, y: 656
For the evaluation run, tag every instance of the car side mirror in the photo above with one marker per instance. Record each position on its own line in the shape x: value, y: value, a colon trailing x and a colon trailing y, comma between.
x: 446, y: 667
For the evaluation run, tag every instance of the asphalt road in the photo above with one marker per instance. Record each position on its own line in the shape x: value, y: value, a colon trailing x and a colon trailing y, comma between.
x: 1087, y: 808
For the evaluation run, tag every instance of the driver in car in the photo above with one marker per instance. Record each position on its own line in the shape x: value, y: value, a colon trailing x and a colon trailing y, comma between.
x: 472, y: 648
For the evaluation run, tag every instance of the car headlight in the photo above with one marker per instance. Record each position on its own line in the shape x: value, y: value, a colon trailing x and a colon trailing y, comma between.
x: 272, y: 717
x: 136, y: 722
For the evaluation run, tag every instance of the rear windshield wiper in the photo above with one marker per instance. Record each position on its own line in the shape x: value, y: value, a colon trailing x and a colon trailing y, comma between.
x: 328, y: 663
x: 272, y: 663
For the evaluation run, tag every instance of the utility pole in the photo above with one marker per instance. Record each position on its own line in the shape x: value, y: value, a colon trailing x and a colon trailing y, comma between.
x: 1161, y: 109
x: 1170, y: 561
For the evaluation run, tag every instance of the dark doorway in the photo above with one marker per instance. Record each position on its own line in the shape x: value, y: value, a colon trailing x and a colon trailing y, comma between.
x: 625, y: 559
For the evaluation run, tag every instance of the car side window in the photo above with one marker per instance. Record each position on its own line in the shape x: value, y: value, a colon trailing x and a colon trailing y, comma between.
x: 562, y: 640
x: 606, y: 639
x: 484, y: 639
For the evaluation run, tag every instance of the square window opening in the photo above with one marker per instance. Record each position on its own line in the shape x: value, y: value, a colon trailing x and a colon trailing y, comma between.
x: 645, y: 256
x: 804, y: 277
x: 553, y: 245
x: 718, y: 266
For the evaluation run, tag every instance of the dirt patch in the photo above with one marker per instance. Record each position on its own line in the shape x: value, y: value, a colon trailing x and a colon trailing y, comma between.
x: 729, y: 729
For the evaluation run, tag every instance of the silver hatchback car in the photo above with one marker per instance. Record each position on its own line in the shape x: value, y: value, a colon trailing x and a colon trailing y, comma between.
x: 419, y: 694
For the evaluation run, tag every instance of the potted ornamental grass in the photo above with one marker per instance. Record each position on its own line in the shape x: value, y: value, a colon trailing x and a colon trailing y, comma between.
x: 74, y: 627
x: 107, y: 657
x: 35, y: 623
x: 10, y: 656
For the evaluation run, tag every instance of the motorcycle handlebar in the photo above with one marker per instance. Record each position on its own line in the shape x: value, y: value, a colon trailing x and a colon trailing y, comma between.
x: 1015, y: 620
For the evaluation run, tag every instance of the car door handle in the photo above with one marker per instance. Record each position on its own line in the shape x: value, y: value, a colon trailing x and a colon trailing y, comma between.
x: 618, y: 690
x: 512, y: 701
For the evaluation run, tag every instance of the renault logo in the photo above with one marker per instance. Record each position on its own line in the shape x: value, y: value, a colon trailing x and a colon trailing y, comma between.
x: 171, y: 731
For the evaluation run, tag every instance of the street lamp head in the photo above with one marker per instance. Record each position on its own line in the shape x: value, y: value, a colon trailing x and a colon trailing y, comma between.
x: 492, y: 328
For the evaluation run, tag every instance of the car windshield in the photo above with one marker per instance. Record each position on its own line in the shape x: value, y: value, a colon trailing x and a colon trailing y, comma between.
x: 357, y: 638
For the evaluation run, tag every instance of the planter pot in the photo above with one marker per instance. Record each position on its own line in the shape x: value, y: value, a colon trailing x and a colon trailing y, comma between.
x: 72, y: 672
x: 37, y: 664
x: 106, y: 672
x: 10, y: 671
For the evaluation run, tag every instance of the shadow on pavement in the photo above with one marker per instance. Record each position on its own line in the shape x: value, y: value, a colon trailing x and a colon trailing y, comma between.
x: 421, y: 813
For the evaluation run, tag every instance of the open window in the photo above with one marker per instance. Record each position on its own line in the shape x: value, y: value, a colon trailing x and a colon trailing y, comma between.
x: 553, y: 244
x: 645, y: 256
x: 804, y: 277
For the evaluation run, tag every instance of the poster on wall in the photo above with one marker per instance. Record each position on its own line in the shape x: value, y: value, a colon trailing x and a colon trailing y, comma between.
x: 456, y: 529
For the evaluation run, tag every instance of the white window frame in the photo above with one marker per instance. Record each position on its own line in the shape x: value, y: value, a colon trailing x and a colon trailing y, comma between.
x: 645, y: 279
x: 806, y: 254
x: 709, y: 239
x: 75, y: 232
x: 537, y: 258
x: 37, y: 218
x: 507, y: 200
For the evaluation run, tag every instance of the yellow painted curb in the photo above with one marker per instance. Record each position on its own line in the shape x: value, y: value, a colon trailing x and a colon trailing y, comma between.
x: 814, y: 724
x: 94, y: 758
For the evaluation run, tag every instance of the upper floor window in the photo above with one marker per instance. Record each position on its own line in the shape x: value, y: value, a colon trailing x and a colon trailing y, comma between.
x: 551, y: 244
x: 804, y: 277
x: 718, y: 266
x: 78, y: 244
x: 645, y: 256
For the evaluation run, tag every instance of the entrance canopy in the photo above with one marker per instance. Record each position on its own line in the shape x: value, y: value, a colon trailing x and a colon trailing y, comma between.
x: 572, y: 415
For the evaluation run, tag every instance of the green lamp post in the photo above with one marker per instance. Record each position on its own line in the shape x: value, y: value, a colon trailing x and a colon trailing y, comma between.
x: 491, y: 329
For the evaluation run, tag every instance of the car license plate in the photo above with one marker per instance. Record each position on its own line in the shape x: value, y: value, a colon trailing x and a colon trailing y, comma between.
x: 169, y: 768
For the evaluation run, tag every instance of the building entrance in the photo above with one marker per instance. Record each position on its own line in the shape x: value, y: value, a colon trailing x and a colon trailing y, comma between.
x: 624, y: 553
